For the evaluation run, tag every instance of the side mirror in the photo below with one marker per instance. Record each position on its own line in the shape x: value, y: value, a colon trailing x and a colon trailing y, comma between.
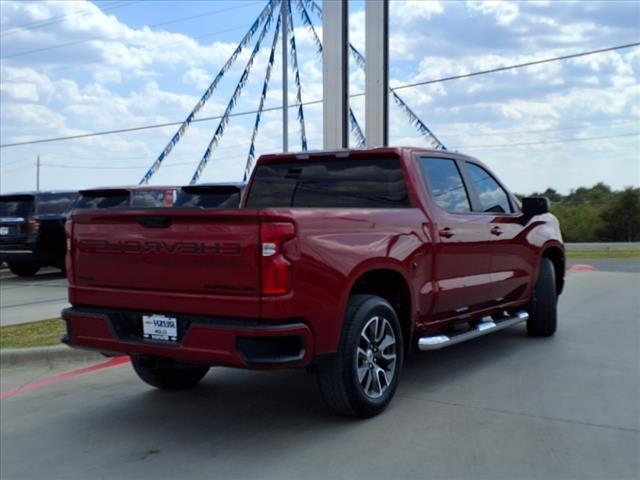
x: 535, y: 206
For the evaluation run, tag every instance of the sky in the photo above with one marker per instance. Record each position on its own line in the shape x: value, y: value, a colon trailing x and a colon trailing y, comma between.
x: 74, y: 67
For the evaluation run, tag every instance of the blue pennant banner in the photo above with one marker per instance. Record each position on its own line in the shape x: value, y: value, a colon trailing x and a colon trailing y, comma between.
x: 266, y: 13
x: 419, y: 124
x: 263, y: 96
x: 294, y: 63
x: 232, y: 102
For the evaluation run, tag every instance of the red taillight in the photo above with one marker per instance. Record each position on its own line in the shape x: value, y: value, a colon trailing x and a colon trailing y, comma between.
x: 276, y: 269
x: 68, y: 259
x: 33, y: 226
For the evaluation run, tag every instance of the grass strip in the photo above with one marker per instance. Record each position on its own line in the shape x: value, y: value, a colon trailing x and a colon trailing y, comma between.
x: 33, y: 334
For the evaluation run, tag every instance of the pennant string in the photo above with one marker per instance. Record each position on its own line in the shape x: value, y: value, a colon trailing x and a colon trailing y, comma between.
x: 266, y: 12
x: 232, y: 102
x: 294, y: 63
x: 265, y: 86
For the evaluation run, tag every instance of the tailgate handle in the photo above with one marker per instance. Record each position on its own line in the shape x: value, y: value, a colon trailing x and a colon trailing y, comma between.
x: 154, y: 222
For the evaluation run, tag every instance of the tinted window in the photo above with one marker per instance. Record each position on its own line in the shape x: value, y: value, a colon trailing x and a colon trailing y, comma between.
x: 153, y: 198
x: 209, y: 197
x: 54, y: 203
x: 330, y: 184
x: 445, y: 184
x: 120, y: 200
x: 492, y: 197
x: 16, y: 205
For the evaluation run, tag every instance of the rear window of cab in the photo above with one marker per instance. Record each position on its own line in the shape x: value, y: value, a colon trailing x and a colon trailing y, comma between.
x: 376, y: 183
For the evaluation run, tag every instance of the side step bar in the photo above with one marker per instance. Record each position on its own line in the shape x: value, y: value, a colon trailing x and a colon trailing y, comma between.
x: 437, y: 342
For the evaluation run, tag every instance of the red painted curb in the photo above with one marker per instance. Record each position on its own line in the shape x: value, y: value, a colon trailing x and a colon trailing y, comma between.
x: 112, y: 362
x: 583, y: 268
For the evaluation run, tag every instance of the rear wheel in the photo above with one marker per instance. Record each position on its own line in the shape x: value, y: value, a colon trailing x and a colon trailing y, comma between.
x: 543, y: 309
x: 166, y: 374
x: 362, y: 377
x: 24, y: 268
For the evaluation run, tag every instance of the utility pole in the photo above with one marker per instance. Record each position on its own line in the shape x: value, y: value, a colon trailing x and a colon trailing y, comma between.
x: 284, y: 17
x: 335, y: 74
x: 38, y: 173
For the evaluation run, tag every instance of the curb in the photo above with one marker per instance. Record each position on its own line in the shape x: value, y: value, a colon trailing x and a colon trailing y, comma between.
x: 45, y: 356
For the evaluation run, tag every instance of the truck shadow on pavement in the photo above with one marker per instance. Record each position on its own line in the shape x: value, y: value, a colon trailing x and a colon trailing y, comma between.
x: 274, y: 407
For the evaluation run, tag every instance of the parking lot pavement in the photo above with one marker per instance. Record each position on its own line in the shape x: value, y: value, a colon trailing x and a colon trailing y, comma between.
x: 503, y: 406
x: 35, y: 298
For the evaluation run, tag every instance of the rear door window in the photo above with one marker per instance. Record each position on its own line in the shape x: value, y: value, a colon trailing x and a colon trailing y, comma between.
x: 54, y: 203
x: 445, y: 184
x: 16, y: 205
x: 330, y: 184
x: 153, y: 198
x: 209, y: 197
x: 101, y: 199
x: 492, y: 196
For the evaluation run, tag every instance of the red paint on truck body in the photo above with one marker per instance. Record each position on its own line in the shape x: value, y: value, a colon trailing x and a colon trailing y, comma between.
x: 206, y: 264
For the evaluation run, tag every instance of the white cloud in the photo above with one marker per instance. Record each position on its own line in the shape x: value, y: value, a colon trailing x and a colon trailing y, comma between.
x: 140, y: 76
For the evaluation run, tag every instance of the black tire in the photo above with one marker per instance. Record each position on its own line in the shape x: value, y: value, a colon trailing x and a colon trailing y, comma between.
x: 166, y: 374
x: 338, y: 379
x: 543, y: 309
x: 24, y: 269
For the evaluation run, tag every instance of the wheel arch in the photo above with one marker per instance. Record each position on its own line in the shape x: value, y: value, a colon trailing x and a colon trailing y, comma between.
x: 555, y: 253
x: 389, y: 282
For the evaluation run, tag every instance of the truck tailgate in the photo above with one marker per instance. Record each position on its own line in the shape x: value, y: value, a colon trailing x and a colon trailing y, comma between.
x: 168, y: 251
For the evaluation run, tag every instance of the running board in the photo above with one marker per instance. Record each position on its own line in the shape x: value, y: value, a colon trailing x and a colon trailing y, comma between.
x: 437, y: 342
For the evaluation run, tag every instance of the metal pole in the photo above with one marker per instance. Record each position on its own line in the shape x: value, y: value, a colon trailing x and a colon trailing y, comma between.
x: 285, y: 71
x: 335, y: 74
x: 38, y: 173
x: 376, y: 73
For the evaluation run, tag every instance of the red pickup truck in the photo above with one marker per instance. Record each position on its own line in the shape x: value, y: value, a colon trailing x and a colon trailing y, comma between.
x: 342, y: 262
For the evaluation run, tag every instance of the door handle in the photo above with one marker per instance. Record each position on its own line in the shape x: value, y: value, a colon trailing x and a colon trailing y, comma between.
x: 496, y: 231
x: 446, y: 232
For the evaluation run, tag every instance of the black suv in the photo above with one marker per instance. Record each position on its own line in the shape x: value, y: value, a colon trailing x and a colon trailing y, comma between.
x: 32, y: 230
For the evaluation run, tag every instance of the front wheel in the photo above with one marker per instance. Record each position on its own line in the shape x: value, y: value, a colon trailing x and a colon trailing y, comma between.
x: 543, y: 309
x: 166, y: 374
x: 362, y: 377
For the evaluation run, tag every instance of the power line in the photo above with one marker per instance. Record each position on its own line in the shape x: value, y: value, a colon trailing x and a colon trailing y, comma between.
x: 61, y: 18
x: 519, y: 65
x: 129, y: 167
x: 111, y: 35
x: 543, y: 130
x: 547, y: 142
x: 314, y: 102
x: 102, y: 60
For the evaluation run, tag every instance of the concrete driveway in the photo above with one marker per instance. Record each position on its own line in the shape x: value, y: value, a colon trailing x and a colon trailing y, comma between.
x: 500, y: 407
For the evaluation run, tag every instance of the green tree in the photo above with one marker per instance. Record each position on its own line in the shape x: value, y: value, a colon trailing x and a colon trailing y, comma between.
x: 621, y: 218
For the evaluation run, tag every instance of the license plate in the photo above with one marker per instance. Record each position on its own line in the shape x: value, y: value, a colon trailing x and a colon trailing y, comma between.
x: 160, y: 327
x: 4, y: 230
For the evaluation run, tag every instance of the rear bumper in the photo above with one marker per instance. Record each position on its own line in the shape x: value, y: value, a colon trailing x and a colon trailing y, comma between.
x: 206, y: 341
x: 16, y: 251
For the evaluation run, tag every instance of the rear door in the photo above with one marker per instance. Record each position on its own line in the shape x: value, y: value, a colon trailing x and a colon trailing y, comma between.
x: 15, y: 211
x: 462, y: 268
x: 512, y: 259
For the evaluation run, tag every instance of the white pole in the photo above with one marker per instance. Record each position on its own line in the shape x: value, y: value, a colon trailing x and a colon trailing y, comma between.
x: 376, y: 73
x: 335, y: 74
x: 38, y: 173
x: 284, y: 15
